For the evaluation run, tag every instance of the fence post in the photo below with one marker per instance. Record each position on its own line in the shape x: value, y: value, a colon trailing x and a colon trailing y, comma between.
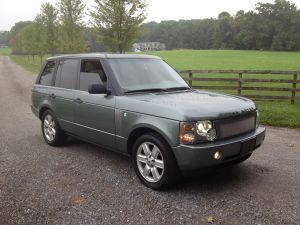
x: 240, y: 84
x: 190, y: 79
x: 294, y: 88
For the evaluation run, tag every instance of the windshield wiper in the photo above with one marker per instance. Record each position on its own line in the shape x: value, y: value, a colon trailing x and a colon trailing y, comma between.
x: 177, y: 88
x: 146, y: 90
x: 158, y: 89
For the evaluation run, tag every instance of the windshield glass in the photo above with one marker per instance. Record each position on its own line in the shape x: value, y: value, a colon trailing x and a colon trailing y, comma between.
x: 143, y: 74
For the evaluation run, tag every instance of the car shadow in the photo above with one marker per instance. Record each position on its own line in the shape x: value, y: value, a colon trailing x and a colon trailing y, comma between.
x: 208, y: 180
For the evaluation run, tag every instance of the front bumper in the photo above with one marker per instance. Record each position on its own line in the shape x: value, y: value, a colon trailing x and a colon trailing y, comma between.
x: 193, y: 157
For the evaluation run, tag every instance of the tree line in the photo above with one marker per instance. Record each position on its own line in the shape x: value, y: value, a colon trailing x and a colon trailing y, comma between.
x: 272, y: 26
x: 62, y: 28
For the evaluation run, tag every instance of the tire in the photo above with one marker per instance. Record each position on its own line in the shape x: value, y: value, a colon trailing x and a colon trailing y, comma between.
x: 154, y: 162
x: 52, y: 133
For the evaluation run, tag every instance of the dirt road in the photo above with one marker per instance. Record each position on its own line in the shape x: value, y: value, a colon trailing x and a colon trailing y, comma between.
x: 83, y: 184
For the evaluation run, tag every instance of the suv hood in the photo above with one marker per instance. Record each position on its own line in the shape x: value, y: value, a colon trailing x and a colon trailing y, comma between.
x: 187, y: 105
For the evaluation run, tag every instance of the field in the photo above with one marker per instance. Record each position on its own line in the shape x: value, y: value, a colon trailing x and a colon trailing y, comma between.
x: 5, y: 51
x: 275, y: 113
x: 230, y: 59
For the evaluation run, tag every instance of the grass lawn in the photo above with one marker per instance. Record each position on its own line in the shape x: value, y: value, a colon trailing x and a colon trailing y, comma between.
x: 275, y: 113
x: 230, y: 59
x: 5, y: 51
x: 28, y: 62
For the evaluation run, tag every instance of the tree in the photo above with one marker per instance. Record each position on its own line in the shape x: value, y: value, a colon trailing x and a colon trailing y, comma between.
x: 14, y: 31
x: 223, y: 31
x: 117, y: 22
x: 4, y: 38
x: 25, y: 43
x: 48, y: 19
x: 39, y: 37
x: 71, y: 13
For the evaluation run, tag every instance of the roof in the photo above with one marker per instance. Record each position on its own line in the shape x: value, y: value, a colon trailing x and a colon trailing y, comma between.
x: 106, y: 55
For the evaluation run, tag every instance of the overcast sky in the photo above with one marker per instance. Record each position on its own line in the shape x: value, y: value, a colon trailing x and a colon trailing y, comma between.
x: 12, y: 11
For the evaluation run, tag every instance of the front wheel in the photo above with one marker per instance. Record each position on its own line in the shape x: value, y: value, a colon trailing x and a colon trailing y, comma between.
x: 52, y: 133
x: 153, y: 161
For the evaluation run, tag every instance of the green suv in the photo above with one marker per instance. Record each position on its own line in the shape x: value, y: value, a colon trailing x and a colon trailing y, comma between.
x: 139, y: 106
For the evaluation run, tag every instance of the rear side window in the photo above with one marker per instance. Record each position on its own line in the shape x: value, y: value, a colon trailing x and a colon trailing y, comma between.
x: 67, y: 74
x: 91, y: 72
x: 47, y: 74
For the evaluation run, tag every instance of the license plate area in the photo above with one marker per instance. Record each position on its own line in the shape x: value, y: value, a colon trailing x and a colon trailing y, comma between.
x: 248, y: 146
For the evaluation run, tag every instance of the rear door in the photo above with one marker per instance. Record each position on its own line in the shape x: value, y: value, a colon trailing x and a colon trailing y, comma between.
x: 43, y: 87
x: 63, y: 95
x: 95, y: 113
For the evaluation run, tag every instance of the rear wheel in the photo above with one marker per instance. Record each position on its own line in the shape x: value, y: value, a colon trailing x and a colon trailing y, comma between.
x: 153, y: 161
x: 52, y: 133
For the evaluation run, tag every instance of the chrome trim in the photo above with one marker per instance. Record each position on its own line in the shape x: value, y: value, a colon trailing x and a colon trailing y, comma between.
x: 101, y: 131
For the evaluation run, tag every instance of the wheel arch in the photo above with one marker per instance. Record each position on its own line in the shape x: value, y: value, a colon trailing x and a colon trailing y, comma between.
x: 43, y: 109
x: 141, y: 130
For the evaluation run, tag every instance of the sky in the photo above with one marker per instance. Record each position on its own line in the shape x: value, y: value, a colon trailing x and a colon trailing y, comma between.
x: 12, y: 11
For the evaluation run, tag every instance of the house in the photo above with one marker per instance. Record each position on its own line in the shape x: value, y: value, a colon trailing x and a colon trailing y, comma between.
x: 148, y: 46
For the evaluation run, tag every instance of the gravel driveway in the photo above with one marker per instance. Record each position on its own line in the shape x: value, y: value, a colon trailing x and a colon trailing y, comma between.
x: 83, y: 184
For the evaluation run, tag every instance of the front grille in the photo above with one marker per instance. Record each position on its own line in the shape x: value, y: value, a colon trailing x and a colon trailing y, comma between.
x: 236, y: 126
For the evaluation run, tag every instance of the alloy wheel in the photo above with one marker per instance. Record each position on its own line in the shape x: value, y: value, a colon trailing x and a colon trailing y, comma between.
x: 150, y: 162
x: 49, y: 128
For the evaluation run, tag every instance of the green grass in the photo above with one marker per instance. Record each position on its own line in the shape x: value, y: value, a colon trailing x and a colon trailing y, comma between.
x: 5, y: 51
x: 28, y: 62
x: 274, y: 113
x: 230, y: 59
x: 280, y: 114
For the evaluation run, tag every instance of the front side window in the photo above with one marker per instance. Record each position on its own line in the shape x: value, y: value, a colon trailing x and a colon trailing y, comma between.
x: 91, y: 72
x: 143, y: 74
x: 67, y: 74
x: 47, y: 74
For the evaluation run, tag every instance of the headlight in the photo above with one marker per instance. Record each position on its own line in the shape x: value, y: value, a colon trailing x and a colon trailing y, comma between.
x: 191, y: 132
x: 205, y: 129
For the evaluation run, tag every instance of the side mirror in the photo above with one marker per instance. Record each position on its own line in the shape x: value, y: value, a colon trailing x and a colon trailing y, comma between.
x: 97, y: 89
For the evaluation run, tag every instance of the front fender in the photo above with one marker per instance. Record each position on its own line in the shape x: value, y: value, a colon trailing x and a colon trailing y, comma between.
x: 127, y: 122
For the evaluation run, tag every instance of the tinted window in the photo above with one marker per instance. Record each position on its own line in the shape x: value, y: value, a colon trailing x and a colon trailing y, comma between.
x: 47, y: 74
x: 91, y: 72
x: 67, y: 74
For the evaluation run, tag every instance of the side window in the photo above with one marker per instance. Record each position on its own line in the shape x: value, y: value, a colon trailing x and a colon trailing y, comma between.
x: 47, y: 74
x: 67, y: 74
x: 91, y: 72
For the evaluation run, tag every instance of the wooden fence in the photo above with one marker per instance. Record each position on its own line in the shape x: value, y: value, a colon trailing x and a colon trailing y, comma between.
x: 191, y: 75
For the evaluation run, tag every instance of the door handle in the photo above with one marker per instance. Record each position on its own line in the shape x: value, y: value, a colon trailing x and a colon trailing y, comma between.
x: 78, y: 100
x: 52, y: 96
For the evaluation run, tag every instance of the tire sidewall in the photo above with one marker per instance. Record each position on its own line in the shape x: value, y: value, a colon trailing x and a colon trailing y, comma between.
x: 167, y: 157
x: 54, y: 141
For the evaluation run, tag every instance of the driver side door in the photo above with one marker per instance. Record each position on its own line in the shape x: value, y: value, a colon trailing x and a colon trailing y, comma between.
x: 95, y: 113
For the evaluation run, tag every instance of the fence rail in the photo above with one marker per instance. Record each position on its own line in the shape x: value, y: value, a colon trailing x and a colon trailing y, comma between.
x: 191, y: 75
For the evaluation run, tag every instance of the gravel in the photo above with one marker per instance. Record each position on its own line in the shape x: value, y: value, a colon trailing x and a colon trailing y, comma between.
x: 83, y: 184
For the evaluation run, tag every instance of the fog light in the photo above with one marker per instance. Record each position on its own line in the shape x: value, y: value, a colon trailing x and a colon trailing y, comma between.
x: 218, y: 155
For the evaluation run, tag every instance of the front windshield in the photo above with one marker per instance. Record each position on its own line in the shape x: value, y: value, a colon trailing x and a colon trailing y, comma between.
x: 142, y: 74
